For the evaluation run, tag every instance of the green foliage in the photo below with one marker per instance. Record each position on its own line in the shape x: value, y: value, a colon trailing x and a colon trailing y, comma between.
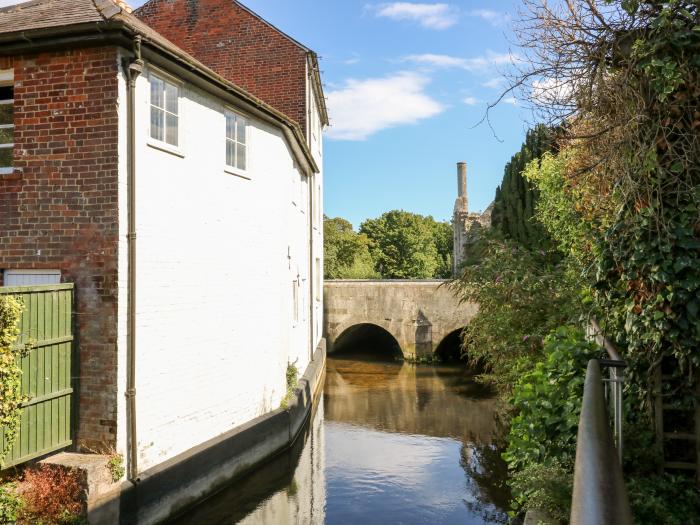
x: 667, y: 499
x: 115, y: 465
x: 542, y: 438
x: 10, y: 371
x: 443, y: 236
x: 547, y: 487
x: 547, y: 400
x: 622, y: 199
x: 292, y: 377
x: 516, y: 197
x: 409, y: 246
x: 10, y: 504
x: 556, y: 207
x: 523, y: 295
x: 648, y: 271
x: 346, y: 253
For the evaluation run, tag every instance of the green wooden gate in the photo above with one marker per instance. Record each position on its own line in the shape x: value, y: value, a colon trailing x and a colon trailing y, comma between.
x: 46, y: 329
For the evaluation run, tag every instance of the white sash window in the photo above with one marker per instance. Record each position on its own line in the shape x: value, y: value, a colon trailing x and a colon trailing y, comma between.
x: 236, y: 141
x: 7, y: 125
x: 165, y: 113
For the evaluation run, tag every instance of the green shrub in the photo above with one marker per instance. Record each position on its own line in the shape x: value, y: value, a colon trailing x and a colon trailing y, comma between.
x: 547, y: 401
x: 667, y: 499
x: 115, y: 465
x: 544, y: 487
x: 10, y: 371
x: 542, y: 438
x: 10, y: 504
x: 292, y: 376
x: 523, y: 295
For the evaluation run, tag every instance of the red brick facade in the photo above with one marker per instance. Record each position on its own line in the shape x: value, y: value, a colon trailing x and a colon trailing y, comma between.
x: 59, y: 209
x: 239, y: 46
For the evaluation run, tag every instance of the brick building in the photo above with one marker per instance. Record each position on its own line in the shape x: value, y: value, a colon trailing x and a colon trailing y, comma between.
x: 142, y: 163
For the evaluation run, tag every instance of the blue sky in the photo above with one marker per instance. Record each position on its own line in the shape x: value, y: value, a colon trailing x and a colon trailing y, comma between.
x: 406, y: 83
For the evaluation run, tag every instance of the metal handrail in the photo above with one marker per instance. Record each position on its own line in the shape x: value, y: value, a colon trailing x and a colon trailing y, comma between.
x: 616, y: 368
x: 604, y: 341
x: 600, y: 496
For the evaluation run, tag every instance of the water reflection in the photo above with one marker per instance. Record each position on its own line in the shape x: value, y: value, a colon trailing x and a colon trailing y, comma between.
x: 389, y: 443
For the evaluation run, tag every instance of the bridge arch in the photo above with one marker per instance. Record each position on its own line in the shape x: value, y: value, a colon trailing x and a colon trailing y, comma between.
x: 367, y: 338
x: 450, y: 347
x: 418, y: 314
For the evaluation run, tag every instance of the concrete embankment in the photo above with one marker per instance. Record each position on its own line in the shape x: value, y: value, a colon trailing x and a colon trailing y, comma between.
x: 175, y: 485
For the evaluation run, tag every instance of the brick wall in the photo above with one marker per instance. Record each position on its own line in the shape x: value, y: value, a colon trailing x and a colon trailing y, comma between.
x: 59, y: 209
x: 237, y: 45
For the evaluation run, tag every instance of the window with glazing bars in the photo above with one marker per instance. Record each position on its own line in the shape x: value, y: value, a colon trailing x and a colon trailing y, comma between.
x: 236, y: 140
x: 164, y: 111
x: 7, y: 127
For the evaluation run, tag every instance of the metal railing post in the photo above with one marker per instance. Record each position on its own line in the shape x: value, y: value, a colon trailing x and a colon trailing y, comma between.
x: 599, y: 494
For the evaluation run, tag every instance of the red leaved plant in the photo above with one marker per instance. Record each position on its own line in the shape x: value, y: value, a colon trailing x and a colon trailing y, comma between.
x: 52, y: 495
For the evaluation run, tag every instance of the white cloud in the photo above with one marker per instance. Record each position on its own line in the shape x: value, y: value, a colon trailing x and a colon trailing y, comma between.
x: 551, y: 91
x: 487, y: 61
x: 361, y: 108
x: 494, y: 83
x: 510, y: 100
x: 431, y: 16
x: 6, y: 3
x: 470, y: 101
x: 495, y: 18
x: 434, y: 60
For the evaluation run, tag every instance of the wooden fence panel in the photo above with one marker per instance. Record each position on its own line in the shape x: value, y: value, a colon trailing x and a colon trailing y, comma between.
x: 46, y: 329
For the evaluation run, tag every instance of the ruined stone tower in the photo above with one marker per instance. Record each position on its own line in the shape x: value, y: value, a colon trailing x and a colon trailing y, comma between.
x: 459, y: 218
x: 465, y: 225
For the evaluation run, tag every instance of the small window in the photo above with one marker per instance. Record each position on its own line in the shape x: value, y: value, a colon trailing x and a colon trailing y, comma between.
x: 7, y: 127
x: 236, y: 141
x: 165, y: 101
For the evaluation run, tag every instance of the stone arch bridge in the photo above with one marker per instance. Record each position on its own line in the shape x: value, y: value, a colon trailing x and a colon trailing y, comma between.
x: 419, y: 314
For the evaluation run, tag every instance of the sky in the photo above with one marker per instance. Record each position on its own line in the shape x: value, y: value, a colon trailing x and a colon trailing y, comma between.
x: 407, y: 83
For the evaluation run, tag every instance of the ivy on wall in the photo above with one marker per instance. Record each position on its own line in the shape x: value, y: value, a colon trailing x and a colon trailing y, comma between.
x: 10, y: 371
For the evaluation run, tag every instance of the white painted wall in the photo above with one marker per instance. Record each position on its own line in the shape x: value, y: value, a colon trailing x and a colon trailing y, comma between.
x: 216, y: 258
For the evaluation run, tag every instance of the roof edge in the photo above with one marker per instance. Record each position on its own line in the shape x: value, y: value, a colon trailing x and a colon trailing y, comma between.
x: 88, y: 34
x: 318, y: 87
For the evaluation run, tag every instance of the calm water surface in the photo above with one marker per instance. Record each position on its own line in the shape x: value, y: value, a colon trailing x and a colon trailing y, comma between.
x: 389, y: 443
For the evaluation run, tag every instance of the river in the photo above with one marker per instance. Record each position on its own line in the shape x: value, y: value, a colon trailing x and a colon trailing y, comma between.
x: 389, y: 443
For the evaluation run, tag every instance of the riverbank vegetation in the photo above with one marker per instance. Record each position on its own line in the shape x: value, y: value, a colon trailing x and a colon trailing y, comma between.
x: 44, y: 495
x: 396, y: 245
x: 618, y: 194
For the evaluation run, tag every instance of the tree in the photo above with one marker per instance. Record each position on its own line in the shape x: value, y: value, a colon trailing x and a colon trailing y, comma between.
x: 623, y: 196
x: 346, y: 252
x: 406, y: 245
x: 444, y: 241
x: 516, y: 197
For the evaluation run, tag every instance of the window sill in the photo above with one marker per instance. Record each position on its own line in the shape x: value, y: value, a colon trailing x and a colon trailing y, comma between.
x: 237, y: 173
x: 167, y: 148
